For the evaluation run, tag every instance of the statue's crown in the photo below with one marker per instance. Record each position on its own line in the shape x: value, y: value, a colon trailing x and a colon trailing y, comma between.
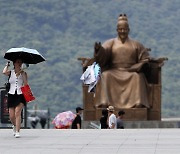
x: 122, y: 17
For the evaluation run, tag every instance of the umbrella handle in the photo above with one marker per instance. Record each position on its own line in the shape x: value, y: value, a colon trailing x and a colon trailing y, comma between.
x: 8, y: 63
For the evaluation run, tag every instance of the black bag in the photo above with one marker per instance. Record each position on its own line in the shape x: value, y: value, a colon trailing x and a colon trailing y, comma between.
x: 7, y: 84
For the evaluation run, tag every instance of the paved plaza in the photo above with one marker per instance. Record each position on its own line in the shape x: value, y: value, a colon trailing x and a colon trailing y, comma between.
x: 91, y: 141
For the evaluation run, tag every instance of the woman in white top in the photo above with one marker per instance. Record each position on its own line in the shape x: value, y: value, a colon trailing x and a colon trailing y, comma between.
x: 16, y: 100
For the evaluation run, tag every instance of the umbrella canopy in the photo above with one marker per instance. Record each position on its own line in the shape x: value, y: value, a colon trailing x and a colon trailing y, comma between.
x: 29, y: 56
x: 64, y: 119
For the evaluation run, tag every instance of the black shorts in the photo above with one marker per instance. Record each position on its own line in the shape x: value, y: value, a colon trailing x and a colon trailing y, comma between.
x: 15, y: 99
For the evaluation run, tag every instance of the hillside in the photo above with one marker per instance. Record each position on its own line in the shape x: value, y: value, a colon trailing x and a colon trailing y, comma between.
x: 63, y: 30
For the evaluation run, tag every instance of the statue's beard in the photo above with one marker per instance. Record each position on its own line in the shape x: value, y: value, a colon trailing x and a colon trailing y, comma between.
x: 123, y: 36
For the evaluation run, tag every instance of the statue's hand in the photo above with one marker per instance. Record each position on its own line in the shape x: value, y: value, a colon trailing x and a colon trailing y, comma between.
x: 97, y: 46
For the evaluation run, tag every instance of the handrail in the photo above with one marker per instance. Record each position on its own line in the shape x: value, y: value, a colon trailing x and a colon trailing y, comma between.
x: 2, y: 87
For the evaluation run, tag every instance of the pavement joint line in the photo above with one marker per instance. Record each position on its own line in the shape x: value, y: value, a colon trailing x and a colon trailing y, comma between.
x: 125, y: 140
x: 157, y: 141
x: 90, y: 142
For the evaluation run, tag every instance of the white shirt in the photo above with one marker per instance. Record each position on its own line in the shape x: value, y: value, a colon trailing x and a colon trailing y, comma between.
x: 112, y: 120
x: 16, y: 83
x: 91, y: 76
x: 88, y: 76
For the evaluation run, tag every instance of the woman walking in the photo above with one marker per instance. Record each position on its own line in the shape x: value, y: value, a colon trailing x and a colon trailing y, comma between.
x: 16, y: 100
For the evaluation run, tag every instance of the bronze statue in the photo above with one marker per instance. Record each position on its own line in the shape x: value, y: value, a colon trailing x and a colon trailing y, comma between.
x: 122, y: 84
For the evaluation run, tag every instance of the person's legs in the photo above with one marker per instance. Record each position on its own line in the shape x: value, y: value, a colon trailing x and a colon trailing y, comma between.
x: 12, y: 118
x: 12, y: 115
x: 34, y: 123
x: 43, y: 122
x: 18, y: 110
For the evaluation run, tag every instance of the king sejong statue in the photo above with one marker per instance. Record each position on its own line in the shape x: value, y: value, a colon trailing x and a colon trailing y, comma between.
x: 122, y: 83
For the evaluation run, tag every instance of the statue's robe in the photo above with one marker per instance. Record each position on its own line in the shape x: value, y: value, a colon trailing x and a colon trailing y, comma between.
x: 122, y: 85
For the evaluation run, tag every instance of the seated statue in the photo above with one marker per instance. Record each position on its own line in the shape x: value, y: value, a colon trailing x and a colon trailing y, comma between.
x: 122, y: 83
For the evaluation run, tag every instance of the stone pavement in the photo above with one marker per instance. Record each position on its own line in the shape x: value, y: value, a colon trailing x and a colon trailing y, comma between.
x: 91, y: 141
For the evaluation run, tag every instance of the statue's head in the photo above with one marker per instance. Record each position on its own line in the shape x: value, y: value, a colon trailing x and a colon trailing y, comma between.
x: 123, y: 27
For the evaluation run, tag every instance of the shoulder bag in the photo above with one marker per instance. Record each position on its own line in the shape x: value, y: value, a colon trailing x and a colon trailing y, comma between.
x: 7, y: 84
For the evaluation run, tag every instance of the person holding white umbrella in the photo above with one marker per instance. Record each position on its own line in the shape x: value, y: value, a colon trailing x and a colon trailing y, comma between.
x: 16, y: 100
x: 18, y: 79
